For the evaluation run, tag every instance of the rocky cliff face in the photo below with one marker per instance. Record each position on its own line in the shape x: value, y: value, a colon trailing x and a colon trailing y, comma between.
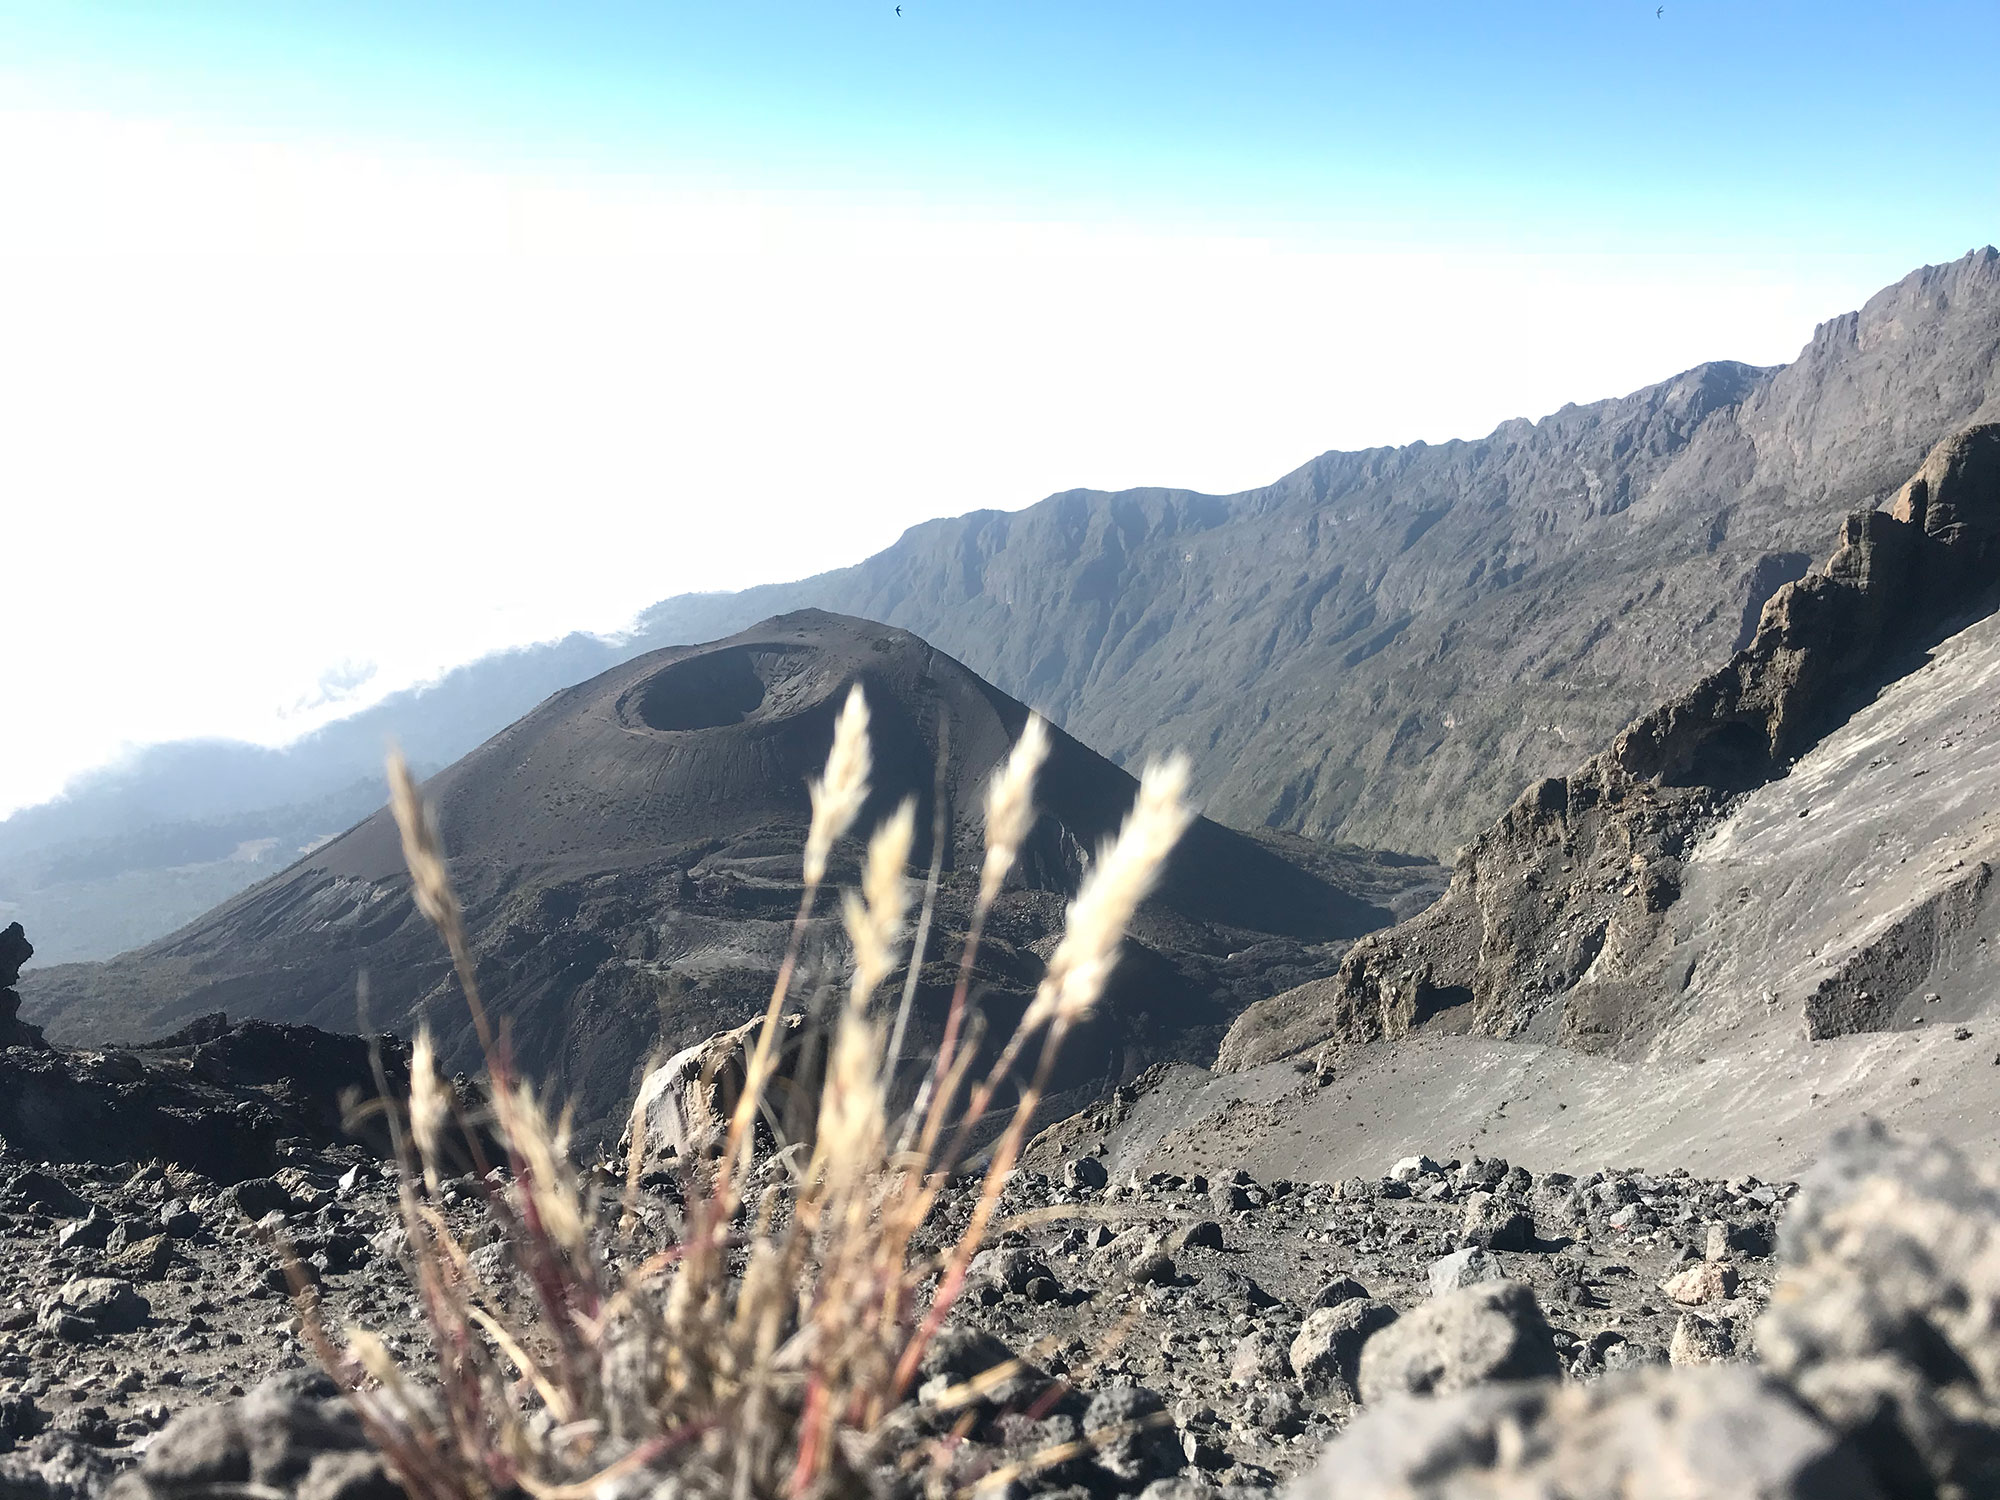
x: 1386, y: 646
x: 1564, y: 921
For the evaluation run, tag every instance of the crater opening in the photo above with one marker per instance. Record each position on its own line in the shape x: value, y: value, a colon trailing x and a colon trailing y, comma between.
x: 703, y: 692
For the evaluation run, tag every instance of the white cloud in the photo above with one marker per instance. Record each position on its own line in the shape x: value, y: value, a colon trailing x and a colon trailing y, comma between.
x: 276, y: 415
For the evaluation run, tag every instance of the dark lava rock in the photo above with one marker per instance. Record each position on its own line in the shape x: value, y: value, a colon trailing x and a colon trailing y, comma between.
x: 20, y: 1419
x: 220, y: 1106
x: 1340, y: 1289
x: 1492, y: 1222
x: 36, y: 1188
x: 256, y: 1196
x: 1085, y: 1172
x: 15, y: 950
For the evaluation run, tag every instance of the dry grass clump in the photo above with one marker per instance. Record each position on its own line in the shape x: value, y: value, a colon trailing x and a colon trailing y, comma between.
x: 757, y: 1355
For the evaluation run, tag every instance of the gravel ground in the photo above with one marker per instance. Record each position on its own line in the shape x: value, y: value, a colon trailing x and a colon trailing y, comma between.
x: 1227, y: 1307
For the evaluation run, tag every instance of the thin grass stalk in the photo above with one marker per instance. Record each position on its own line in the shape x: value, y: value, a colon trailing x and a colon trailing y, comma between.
x: 519, y: 1120
x: 940, y: 837
x: 1010, y: 816
x: 837, y: 799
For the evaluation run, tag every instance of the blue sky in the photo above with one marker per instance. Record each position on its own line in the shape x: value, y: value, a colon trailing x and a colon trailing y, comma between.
x: 349, y: 341
x: 1576, y: 125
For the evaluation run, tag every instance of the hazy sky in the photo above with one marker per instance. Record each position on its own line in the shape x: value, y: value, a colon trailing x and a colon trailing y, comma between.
x: 340, y: 343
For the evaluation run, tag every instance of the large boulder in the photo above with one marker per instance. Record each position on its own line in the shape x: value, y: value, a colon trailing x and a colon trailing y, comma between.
x: 294, y: 1433
x: 1724, y: 1433
x: 88, y: 1307
x: 1493, y: 1331
x: 685, y: 1103
x: 1326, y: 1353
x: 1466, y: 1267
x: 1493, y: 1221
x: 1137, y: 1442
x: 1886, y: 1315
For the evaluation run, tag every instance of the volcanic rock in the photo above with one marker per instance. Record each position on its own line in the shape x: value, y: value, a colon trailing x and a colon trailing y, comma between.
x: 88, y: 1306
x: 1720, y: 1434
x: 15, y: 950
x: 1891, y: 1268
x: 1326, y: 1355
x: 1495, y: 1331
x: 221, y: 1105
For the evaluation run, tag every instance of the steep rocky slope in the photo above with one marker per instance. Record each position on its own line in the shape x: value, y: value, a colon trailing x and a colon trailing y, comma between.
x: 1763, y: 913
x: 629, y: 859
x: 1638, y: 906
x: 1383, y: 646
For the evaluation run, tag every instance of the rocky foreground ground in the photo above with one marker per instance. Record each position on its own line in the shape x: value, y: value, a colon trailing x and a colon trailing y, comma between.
x: 1440, y: 1328
x: 146, y: 1327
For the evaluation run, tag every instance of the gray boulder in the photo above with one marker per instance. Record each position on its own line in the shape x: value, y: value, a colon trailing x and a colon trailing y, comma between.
x: 55, y: 1466
x: 91, y: 1306
x: 1326, y: 1354
x: 1467, y: 1267
x: 1495, y: 1331
x: 1134, y: 1436
x: 1481, y: 1172
x: 20, y: 1419
x: 1495, y: 1222
x: 1724, y: 1433
x: 1202, y: 1234
x: 1086, y: 1173
x: 293, y: 1433
x: 1257, y: 1357
x: 1340, y: 1289
x: 1699, y: 1341
x: 1887, y: 1311
x: 1006, y: 1270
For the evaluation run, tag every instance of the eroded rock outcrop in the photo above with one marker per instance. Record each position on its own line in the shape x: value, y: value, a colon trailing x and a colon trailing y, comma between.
x: 216, y: 1098
x: 15, y: 950
x: 1556, y: 927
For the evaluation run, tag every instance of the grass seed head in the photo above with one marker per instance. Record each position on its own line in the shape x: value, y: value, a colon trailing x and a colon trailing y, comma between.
x: 1121, y: 877
x: 1010, y: 806
x: 842, y: 788
x: 423, y: 849
x: 874, y: 919
x: 430, y: 1106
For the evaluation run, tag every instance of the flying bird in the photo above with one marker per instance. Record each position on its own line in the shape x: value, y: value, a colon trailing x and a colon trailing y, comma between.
x: 1658, y: 15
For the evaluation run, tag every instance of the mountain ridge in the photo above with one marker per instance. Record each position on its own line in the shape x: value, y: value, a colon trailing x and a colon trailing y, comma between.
x: 1382, y: 646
